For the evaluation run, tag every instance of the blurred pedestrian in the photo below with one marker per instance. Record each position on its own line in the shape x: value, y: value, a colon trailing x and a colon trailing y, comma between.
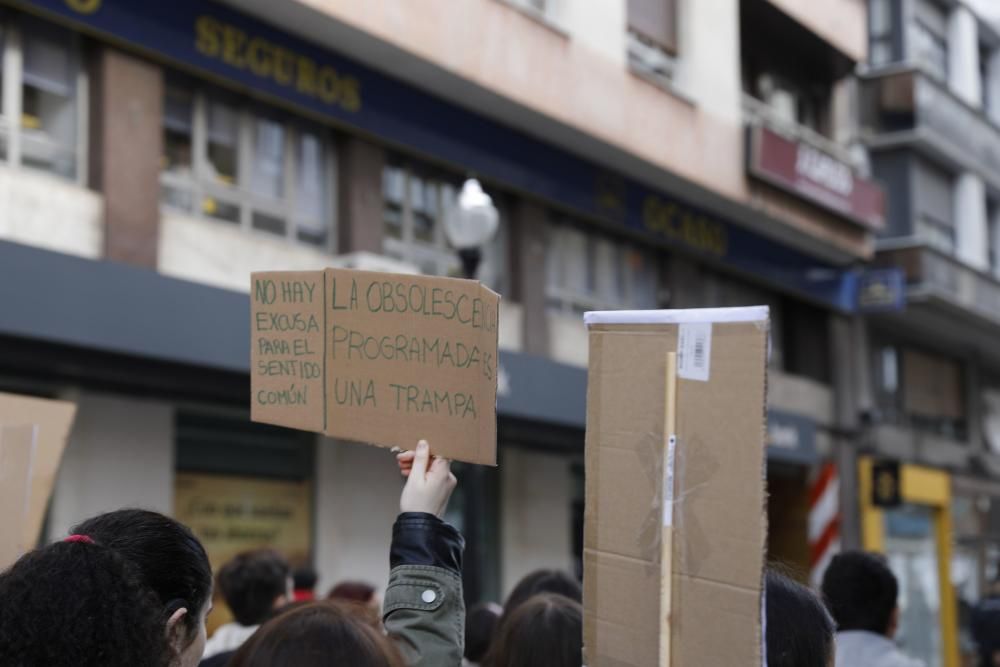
x: 318, y: 634
x: 304, y: 584
x: 986, y: 627
x: 254, y: 584
x: 861, y: 593
x: 799, y: 628
x: 130, y: 587
x: 541, y: 581
x: 360, y: 596
x: 544, y: 631
x: 480, y: 626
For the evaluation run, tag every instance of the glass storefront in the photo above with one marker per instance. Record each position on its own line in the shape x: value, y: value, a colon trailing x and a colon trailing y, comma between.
x: 911, y: 548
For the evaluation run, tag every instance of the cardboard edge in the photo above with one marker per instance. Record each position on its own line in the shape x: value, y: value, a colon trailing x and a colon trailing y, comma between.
x: 698, y: 315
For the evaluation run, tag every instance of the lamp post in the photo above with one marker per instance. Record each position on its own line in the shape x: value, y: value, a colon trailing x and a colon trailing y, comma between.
x: 469, y: 226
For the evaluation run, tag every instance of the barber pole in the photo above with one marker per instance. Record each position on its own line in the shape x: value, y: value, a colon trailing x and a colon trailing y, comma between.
x: 824, y: 521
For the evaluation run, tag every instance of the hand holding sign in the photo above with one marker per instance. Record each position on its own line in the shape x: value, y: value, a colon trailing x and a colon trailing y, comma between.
x: 429, y: 481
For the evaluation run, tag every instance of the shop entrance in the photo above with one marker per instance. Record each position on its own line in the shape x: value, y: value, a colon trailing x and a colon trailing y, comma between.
x: 241, y: 486
x: 915, y: 535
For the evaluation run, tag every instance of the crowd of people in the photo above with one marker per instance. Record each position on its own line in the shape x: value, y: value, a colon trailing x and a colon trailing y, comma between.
x: 133, y: 588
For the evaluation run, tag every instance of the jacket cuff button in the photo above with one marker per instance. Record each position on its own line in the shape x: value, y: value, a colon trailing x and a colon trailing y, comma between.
x: 428, y: 596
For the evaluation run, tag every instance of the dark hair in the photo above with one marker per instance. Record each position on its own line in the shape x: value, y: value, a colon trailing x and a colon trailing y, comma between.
x: 251, y: 582
x: 82, y: 605
x: 544, y: 631
x: 169, y: 558
x: 355, y: 591
x: 317, y: 634
x: 305, y: 578
x: 480, y: 626
x: 799, y: 629
x: 860, y: 591
x: 541, y: 581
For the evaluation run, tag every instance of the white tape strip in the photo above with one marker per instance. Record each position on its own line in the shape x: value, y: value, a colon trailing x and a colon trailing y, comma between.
x: 668, y: 482
x: 718, y: 315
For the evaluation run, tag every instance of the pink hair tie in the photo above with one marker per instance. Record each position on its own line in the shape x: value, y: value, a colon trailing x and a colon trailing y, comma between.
x: 79, y: 538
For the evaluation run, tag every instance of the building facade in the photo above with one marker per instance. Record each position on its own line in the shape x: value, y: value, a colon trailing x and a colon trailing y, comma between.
x: 930, y: 115
x: 642, y: 154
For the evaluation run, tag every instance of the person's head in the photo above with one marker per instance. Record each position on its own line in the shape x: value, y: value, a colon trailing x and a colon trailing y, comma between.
x: 541, y: 581
x: 544, y: 631
x: 304, y: 582
x: 353, y: 591
x: 171, y: 562
x: 480, y: 626
x: 860, y: 591
x: 317, y: 634
x: 359, y: 593
x: 799, y: 629
x: 254, y: 584
x: 80, y: 604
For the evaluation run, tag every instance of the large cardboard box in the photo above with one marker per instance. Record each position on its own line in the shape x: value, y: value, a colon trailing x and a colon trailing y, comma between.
x: 717, y: 518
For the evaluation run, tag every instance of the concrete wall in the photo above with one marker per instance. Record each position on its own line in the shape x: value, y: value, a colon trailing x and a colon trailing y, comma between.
x: 223, y: 255
x: 129, y: 129
x: 357, y: 500
x: 536, y: 517
x: 41, y: 210
x: 843, y: 23
x: 595, y: 24
x: 120, y: 454
x: 568, y: 78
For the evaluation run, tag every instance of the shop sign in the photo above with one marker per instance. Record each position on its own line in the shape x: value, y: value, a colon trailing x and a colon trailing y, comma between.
x: 791, y: 438
x: 881, y: 290
x: 886, y: 484
x: 815, y: 175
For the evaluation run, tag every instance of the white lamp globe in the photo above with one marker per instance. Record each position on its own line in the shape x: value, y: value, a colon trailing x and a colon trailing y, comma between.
x: 473, y: 221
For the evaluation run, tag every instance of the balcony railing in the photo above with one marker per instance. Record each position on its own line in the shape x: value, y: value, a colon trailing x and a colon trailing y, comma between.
x: 906, y: 106
x: 934, y: 273
x: 756, y: 112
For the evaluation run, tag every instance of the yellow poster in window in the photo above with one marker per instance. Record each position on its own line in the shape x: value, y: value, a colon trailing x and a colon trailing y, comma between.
x: 232, y: 514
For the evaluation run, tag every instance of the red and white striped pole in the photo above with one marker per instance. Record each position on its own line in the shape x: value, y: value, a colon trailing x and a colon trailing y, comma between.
x: 824, y: 522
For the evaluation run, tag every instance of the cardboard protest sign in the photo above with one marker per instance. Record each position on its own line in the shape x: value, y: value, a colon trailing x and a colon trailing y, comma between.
x: 17, y: 451
x: 48, y: 423
x: 697, y: 493
x: 380, y: 358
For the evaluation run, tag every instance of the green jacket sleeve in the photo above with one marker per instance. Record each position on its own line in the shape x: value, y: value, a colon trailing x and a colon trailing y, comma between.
x: 423, y: 610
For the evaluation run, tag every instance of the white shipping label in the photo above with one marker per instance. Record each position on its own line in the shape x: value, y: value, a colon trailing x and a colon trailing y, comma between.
x: 694, y: 351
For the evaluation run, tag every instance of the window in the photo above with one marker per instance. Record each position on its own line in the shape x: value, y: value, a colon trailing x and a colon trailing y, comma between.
x: 985, y: 59
x: 652, y: 37
x: 886, y: 371
x: 586, y: 270
x: 40, y: 124
x: 415, y: 199
x: 993, y: 235
x: 935, y: 214
x: 929, y: 39
x: 920, y: 389
x: 933, y: 393
x: 247, y: 165
x: 880, y: 32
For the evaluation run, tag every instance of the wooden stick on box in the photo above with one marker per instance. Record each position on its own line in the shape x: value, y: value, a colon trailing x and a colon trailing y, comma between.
x: 717, y: 515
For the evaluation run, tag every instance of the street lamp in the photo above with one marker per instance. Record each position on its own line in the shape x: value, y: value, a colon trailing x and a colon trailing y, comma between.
x: 471, y: 224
